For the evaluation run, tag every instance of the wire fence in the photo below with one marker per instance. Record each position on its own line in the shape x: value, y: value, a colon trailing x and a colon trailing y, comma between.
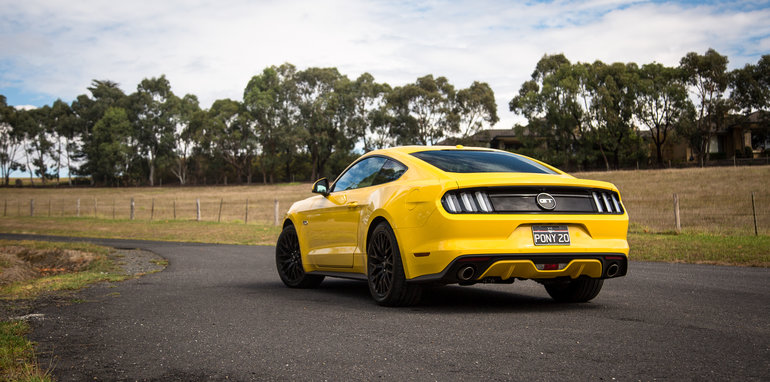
x: 211, y: 209
x: 747, y: 213
x: 741, y: 213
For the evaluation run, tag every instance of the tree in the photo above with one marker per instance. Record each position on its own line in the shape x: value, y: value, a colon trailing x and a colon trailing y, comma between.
x: 38, y: 142
x: 189, y: 122
x: 614, y: 89
x: 88, y: 111
x: 11, y: 138
x: 65, y: 129
x: 270, y: 99
x: 156, y: 110
x: 707, y: 78
x: 662, y: 104
x: 369, y: 110
x: 555, y: 101
x: 476, y: 106
x: 231, y: 136
x: 111, y: 151
x: 325, y: 107
x: 424, y: 112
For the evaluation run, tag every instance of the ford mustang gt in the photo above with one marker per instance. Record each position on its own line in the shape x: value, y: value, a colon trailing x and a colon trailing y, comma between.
x: 404, y: 217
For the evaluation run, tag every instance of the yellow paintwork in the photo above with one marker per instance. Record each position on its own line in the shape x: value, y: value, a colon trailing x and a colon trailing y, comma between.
x: 333, y: 229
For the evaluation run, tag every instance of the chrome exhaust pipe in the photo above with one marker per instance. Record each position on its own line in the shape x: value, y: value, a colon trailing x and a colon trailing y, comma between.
x: 466, y: 273
x: 613, y: 270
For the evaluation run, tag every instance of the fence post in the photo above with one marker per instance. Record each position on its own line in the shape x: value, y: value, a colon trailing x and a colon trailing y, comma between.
x: 32, y: 207
x: 5, y: 208
x: 275, y: 216
x: 246, y: 219
x: 131, y: 216
x: 174, y: 209
x: 754, y: 212
x: 198, y: 209
x: 219, y: 216
x: 152, y: 209
x: 49, y: 207
x: 96, y: 206
x: 78, y: 208
x: 676, y: 214
x: 113, y: 209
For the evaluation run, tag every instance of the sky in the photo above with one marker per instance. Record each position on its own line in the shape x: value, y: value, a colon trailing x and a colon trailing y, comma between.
x: 54, y: 49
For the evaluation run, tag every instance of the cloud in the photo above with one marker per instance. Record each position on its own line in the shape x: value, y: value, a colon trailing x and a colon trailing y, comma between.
x: 211, y: 49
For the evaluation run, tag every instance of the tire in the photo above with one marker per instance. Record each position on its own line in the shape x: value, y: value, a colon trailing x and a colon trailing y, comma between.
x: 385, y: 271
x: 580, y: 290
x: 288, y: 261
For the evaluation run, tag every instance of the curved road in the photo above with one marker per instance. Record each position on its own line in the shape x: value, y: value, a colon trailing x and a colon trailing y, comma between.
x: 220, y: 312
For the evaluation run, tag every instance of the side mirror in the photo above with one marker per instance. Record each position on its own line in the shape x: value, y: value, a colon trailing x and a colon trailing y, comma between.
x: 321, y: 187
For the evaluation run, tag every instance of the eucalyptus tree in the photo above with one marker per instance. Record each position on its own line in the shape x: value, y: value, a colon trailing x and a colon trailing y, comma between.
x: 367, y: 122
x: 156, y: 110
x: 555, y: 101
x: 662, y: 104
x: 324, y: 112
x: 231, y: 136
x: 476, y: 108
x: 750, y: 86
x: 707, y: 80
x: 188, y: 122
x: 424, y: 111
x: 38, y: 141
x: 611, y: 115
x: 11, y: 140
x: 270, y: 98
x: 65, y: 132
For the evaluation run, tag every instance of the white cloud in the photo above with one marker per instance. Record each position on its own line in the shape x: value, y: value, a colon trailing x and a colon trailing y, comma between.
x: 211, y: 49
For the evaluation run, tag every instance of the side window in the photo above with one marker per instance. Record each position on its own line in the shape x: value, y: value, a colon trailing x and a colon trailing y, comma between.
x: 362, y: 174
x: 389, y: 172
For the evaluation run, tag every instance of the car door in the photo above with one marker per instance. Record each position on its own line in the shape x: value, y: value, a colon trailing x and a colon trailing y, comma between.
x: 333, y: 223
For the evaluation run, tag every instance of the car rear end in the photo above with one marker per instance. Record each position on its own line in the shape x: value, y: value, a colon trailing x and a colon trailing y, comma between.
x: 500, y: 226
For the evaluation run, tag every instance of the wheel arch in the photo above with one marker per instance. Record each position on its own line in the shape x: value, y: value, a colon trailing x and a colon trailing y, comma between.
x: 379, y: 217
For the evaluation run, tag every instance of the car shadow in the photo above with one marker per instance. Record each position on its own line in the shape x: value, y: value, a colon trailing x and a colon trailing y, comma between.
x: 435, y: 299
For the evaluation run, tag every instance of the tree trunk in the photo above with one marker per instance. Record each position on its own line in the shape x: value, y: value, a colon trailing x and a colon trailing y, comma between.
x: 152, y: 173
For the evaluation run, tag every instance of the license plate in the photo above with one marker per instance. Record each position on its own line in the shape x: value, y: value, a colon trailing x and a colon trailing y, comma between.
x: 550, y: 234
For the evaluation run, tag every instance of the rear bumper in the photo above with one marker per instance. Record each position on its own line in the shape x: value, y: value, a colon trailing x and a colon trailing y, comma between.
x: 507, y: 267
x: 444, y: 239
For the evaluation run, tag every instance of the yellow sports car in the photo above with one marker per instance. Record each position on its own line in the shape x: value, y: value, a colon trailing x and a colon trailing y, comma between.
x: 405, y: 217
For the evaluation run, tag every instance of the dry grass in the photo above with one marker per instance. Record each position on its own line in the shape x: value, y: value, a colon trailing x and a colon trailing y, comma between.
x: 109, y: 203
x: 715, y: 199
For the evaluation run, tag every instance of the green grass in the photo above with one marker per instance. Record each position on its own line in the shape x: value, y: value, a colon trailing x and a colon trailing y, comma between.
x: 17, y: 354
x: 700, y: 248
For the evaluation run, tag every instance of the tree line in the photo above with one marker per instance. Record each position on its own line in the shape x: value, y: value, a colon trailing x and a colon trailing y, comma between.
x: 582, y: 114
x: 303, y: 124
x: 290, y: 125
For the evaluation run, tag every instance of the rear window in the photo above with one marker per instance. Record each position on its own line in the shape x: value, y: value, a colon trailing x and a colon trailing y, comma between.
x: 465, y: 161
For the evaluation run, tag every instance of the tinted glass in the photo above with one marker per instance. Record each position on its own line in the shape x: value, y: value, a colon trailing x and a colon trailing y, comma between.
x: 389, y: 172
x: 362, y: 174
x: 465, y: 161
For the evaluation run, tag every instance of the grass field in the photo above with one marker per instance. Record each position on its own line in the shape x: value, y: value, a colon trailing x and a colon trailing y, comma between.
x: 715, y: 205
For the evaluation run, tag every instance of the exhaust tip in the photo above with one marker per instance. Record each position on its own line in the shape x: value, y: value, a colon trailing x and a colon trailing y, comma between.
x: 466, y: 273
x: 613, y: 270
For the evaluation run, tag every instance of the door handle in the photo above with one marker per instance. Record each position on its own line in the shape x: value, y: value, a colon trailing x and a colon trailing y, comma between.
x: 352, y: 204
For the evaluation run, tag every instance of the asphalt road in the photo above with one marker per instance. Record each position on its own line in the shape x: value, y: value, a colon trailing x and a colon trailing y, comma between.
x: 220, y: 312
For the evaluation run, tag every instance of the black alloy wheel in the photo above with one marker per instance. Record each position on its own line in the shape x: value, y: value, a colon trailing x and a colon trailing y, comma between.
x: 385, y: 271
x: 288, y: 260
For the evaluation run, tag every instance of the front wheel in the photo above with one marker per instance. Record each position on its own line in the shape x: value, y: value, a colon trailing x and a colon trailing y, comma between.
x: 580, y: 290
x: 288, y: 260
x: 385, y: 271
